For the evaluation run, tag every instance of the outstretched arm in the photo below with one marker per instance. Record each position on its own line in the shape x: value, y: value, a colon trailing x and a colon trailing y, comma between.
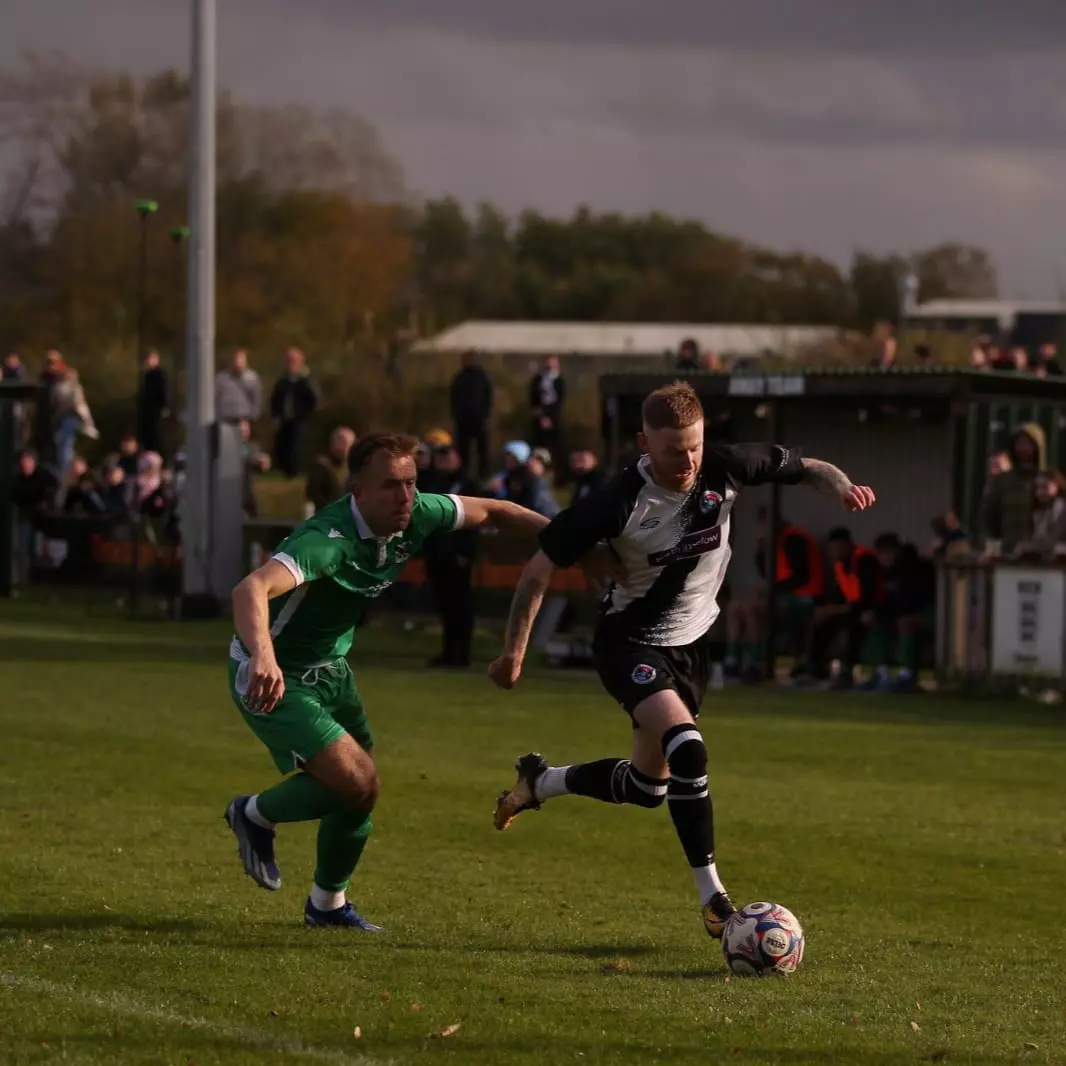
x: 502, y: 515
x: 528, y: 596
x: 831, y: 481
x: 598, y: 563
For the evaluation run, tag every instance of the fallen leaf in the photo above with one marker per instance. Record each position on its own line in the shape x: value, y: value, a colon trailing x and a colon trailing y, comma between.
x: 357, y: 1033
x: 728, y: 979
x: 1030, y: 1045
x: 415, y: 1006
x: 915, y: 1026
x: 384, y: 997
x: 616, y: 966
x: 448, y: 1030
x: 919, y: 1006
x: 273, y: 1014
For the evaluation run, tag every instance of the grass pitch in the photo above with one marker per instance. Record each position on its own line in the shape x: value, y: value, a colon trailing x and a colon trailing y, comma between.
x: 922, y: 842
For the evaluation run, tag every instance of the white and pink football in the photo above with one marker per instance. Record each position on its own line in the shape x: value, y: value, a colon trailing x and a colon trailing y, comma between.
x: 762, y: 939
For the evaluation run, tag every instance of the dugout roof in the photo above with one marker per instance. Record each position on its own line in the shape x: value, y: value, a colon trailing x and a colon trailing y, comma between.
x: 852, y: 383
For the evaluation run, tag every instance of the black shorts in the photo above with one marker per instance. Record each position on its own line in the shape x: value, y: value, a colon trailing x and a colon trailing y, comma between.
x: 633, y: 672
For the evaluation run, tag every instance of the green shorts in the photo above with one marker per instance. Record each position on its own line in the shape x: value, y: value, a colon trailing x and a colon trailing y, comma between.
x: 319, y: 705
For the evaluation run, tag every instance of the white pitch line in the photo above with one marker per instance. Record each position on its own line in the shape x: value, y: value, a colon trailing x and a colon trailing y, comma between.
x: 116, y: 1003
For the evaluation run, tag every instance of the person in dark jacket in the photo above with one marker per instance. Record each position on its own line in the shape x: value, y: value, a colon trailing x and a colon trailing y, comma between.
x: 129, y: 454
x: 858, y: 590
x: 688, y: 355
x: 904, y: 615
x: 293, y: 401
x: 328, y: 478
x: 114, y: 490
x: 450, y: 563
x: 13, y: 369
x: 547, y: 394
x: 471, y: 401
x: 586, y: 472
x: 84, y: 498
x: 153, y: 403
x: 1008, y: 500
x: 35, y: 488
x: 34, y: 493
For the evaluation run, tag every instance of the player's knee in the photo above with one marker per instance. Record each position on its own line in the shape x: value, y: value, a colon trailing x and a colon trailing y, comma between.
x: 685, y: 754
x: 361, y: 785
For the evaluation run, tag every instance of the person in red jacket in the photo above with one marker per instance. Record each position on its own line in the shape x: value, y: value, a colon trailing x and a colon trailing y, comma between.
x: 849, y: 609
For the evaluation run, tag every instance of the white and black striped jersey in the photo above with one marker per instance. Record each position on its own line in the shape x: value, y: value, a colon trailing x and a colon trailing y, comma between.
x: 675, y: 545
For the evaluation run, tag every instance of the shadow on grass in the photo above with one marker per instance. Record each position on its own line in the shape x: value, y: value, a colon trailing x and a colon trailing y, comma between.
x: 106, y: 650
x: 701, y: 973
x: 596, y: 951
x: 877, y: 709
x: 82, y: 923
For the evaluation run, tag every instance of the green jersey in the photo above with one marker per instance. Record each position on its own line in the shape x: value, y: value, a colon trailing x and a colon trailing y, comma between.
x: 339, y: 566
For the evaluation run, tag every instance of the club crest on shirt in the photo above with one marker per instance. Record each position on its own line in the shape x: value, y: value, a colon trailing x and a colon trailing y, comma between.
x: 710, y: 502
x: 402, y: 552
x: 643, y: 674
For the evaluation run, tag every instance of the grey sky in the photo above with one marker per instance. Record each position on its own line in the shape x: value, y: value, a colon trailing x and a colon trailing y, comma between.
x: 819, y: 124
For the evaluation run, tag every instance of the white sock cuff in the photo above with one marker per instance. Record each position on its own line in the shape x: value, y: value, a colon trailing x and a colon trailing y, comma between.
x: 325, y: 899
x: 251, y: 809
x: 708, y: 883
x: 552, y: 783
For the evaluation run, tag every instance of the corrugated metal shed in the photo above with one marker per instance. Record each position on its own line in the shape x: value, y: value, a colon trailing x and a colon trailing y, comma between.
x: 622, y: 338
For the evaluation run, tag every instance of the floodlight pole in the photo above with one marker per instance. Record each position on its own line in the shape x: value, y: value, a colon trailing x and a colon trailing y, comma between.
x: 178, y: 236
x: 199, y: 597
x: 145, y: 209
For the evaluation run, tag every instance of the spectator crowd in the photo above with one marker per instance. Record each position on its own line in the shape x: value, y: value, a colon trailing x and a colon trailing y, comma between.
x: 840, y: 601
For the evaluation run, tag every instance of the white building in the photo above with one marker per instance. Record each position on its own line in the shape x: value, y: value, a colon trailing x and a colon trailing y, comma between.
x: 642, y: 339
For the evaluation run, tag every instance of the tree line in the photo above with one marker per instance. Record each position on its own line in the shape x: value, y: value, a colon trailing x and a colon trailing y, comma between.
x: 322, y: 244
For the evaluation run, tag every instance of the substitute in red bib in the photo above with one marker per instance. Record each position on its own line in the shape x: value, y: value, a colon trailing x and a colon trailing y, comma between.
x: 857, y: 593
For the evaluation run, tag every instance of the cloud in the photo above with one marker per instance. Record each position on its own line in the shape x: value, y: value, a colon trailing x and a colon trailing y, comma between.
x: 826, y: 124
x: 865, y: 27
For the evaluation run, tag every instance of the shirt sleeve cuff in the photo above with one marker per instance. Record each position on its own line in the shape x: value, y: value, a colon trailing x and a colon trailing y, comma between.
x: 291, y: 565
x: 460, y: 514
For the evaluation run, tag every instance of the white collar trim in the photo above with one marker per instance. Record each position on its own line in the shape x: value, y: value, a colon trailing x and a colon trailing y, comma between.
x: 364, y: 531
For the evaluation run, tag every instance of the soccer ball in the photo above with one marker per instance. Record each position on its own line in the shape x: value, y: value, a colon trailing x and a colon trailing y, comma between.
x: 761, y: 939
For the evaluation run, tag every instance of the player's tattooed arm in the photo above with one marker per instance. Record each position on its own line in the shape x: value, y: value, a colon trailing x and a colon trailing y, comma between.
x: 826, y: 478
x: 831, y: 481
